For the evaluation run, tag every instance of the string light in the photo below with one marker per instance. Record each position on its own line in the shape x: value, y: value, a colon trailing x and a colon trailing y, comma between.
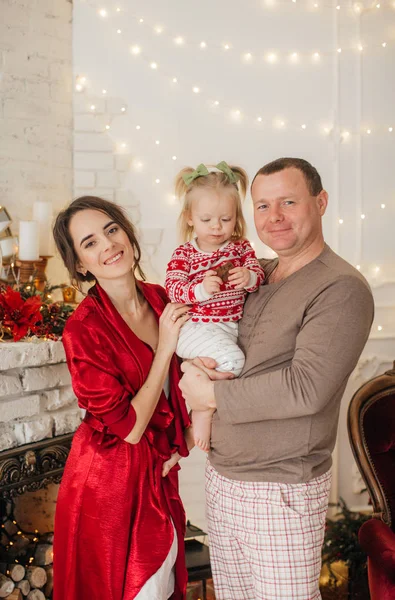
x: 203, y: 45
x: 138, y: 127
x: 382, y: 205
x: 93, y: 107
x: 341, y: 221
x: 174, y: 157
x: 157, y: 180
x: 363, y: 216
x: 123, y: 109
x: 107, y: 127
x: 303, y: 126
x: 179, y: 41
x: 379, y: 328
x: 175, y: 79
x: 102, y: 12
x: 157, y: 142
x: 104, y: 92
x: 154, y: 65
x: 119, y: 30
x: 158, y: 29
x: 196, y: 90
x: 135, y: 50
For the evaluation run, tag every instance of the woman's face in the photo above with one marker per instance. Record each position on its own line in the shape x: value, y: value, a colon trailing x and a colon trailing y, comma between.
x: 102, y: 247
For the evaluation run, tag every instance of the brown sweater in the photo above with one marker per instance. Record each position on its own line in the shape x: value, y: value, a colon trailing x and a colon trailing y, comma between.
x: 302, y: 337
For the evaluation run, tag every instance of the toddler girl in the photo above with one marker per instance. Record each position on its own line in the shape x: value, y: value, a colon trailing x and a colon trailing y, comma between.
x: 212, y: 271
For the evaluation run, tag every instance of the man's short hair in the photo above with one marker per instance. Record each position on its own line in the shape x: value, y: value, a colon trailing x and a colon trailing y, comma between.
x: 311, y: 175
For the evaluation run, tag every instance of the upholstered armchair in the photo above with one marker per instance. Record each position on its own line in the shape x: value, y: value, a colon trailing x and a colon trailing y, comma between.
x: 371, y: 428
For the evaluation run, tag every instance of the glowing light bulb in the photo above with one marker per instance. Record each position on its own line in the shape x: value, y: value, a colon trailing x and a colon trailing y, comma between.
x: 104, y: 92
x: 339, y: 50
x: 316, y: 55
x: 341, y: 221
x: 157, y: 142
x: 363, y: 216
x: 216, y: 103
x: 123, y: 145
x: 382, y: 205
x: 123, y: 109
x: 303, y: 126
x: 102, y: 12
x: 358, y: 267
x: 294, y: 56
x: 378, y: 5
x: 338, y: 7
x: 196, y: 90
x: 271, y: 57
x: 107, y: 127
x: 138, y: 127
x: 158, y: 29
x: 141, y: 20
x: 118, y: 9
x: 259, y: 119
x: 368, y: 131
x: 78, y: 87
x: 157, y: 180
x: 248, y: 56
x: 390, y: 129
x: 135, y: 50
x: 226, y: 47
x: 379, y: 328
x: 174, y: 80
x: 93, y: 107
x: 174, y: 157
x: 345, y: 135
x: 377, y: 269
x: 154, y: 65
x: 179, y: 40
x: 384, y: 44
x: 203, y: 45
x: 360, y: 47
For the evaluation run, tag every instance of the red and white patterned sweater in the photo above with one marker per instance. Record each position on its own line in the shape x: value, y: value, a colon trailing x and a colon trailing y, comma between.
x: 186, y: 271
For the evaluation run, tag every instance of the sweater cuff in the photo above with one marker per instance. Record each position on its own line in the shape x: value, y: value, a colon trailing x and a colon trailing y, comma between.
x: 252, y: 281
x: 200, y: 293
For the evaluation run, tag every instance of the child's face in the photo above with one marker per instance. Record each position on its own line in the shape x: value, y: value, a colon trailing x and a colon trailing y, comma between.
x: 213, y: 218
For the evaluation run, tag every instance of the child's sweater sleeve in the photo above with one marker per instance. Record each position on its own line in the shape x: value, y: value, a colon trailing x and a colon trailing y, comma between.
x: 250, y: 261
x: 177, y: 284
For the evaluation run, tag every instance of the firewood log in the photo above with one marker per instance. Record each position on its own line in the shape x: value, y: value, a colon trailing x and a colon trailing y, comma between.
x: 24, y: 586
x: 15, y: 595
x: 6, y: 586
x: 44, y: 555
x: 35, y: 595
x: 36, y: 576
x: 49, y: 585
x: 16, y: 572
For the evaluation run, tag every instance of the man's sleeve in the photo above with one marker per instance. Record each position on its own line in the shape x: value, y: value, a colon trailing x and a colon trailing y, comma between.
x: 332, y: 336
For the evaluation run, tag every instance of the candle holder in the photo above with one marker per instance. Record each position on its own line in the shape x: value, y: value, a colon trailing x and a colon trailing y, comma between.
x: 26, y: 269
x: 40, y: 278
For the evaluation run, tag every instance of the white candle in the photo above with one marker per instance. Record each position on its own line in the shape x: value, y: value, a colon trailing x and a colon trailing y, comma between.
x: 7, y: 246
x: 42, y: 213
x: 28, y: 240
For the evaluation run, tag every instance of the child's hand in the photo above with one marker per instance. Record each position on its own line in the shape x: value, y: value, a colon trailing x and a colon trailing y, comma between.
x: 212, y: 282
x: 239, y: 277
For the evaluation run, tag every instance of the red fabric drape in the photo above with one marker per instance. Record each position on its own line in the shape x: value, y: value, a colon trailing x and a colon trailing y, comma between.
x: 113, y: 517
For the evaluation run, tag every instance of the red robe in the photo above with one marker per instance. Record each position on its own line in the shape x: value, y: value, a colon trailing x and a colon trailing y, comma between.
x: 112, y: 526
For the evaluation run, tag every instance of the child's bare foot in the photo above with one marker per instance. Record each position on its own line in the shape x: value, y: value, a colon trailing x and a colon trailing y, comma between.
x: 201, y: 423
x: 169, y: 464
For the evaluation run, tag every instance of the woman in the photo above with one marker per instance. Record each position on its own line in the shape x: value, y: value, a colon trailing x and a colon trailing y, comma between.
x: 119, y: 521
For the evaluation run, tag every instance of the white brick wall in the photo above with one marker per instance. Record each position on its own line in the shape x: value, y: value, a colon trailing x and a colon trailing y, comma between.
x: 35, y: 104
x: 36, y: 398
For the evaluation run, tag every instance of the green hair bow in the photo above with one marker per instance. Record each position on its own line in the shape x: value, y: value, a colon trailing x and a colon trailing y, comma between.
x: 202, y: 171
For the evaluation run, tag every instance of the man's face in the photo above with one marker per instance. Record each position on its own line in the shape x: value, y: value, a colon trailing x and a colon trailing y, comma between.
x: 287, y: 217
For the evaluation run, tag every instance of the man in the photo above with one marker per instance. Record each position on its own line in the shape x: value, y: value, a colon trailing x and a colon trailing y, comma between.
x: 268, y: 474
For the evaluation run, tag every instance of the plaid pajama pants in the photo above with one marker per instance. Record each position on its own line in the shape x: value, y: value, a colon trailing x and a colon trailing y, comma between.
x: 265, y: 538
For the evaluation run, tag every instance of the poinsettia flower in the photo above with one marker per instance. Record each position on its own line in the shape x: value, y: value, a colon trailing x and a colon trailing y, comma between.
x: 18, y: 315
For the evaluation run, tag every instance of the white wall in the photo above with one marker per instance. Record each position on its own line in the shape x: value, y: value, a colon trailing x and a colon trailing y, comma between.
x: 36, y: 161
x: 345, y: 93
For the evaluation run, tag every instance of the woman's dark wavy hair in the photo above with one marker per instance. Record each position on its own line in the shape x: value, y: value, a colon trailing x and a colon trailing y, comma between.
x: 64, y: 242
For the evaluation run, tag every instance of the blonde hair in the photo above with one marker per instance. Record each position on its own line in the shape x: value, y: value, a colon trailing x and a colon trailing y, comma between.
x: 219, y: 182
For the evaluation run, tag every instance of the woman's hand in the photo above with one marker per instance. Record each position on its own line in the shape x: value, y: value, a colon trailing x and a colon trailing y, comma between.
x: 170, y: 322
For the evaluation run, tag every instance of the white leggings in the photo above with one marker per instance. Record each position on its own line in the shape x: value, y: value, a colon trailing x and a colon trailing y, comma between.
x: 214, y: 340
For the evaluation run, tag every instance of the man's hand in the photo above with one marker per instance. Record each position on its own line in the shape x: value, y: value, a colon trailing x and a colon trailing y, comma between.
x: 196, y: 385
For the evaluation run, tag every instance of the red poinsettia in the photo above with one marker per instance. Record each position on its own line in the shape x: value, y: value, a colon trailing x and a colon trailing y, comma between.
x: 19, y: 316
